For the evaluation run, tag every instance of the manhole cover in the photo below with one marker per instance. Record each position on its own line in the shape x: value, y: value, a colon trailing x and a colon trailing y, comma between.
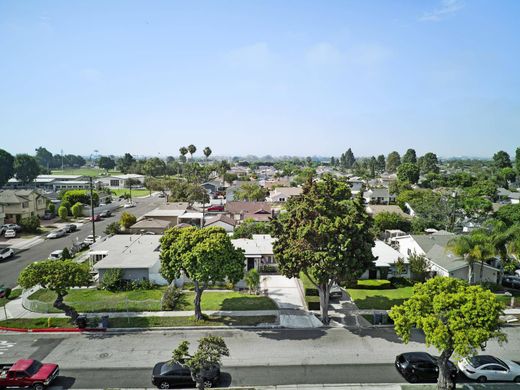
x: 104, y: 355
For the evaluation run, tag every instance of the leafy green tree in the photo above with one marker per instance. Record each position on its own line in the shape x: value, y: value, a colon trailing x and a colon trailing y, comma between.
x: 106, y: 163
x: 44, y: 157
x: 392, y: 162
x: 455, y: 318
x: 65, y: 255
x: 6, y: 167
x: 388, y: 220
x: 517, y: 161
x: 250, y: 192
x: 182, y: 191
x: 52, y: 208
x: 26, y: 168
x: 127, y: 220
x: 501, y: 160
x: 409, y: 157
x: 192, y: 149
x: 207, y: 152
x: 125, y: 163
x: 508, y: 174
x: 154, y: 167
x: 30, y: 224
x: 203, y: 255
x: 482, y: 188
x: 475, y: 247
x: 79, y: 196
x: 325, y: 234
x: 408, y: 172
x: 429, y: 163
x: 427, y: 205
x: 249, y: 227
x: 509, y: 214
x: 209, y: 354
x: 253, y: 280
x: 183, y: 151
x: 477, y: 206
x: 113, y: 228
x: 63, y: 213
x: 347, y: 159
x: 57, y: 276
x: 76, y: 209
x: 419, y: 266
x: 381, y: 163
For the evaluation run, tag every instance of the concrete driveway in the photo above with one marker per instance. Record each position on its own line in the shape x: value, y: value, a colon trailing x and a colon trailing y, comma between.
x: 284, y: 291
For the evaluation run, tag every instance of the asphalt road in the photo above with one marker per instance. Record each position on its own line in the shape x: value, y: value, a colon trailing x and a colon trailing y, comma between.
x: 10, y: 268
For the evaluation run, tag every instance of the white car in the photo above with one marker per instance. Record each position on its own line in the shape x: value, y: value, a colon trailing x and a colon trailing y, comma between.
x: 128, y: 205
x: 90, y: 239
x: 56, y: 234
x: 10, y: 233
x: 6, y: 253
x: 483, y: 368
x: 56, y: 255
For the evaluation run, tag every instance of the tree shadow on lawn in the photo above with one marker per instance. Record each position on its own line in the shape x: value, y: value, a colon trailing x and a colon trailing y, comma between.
x: 291, y: 334
x: 378, y: 302
x: 247, y: 303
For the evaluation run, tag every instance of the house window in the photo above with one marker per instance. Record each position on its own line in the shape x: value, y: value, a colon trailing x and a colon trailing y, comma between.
x: 25, y: 205
x: 114, y: 183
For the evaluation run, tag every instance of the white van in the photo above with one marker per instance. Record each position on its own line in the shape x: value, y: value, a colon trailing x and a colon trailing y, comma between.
x: 56, y: 255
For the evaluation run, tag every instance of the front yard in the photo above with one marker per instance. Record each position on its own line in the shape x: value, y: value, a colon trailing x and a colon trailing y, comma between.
x: 93, y: 300
x: 368, y: 296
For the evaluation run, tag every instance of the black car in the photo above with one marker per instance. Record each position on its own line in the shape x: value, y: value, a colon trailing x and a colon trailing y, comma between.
x: 167, y: 374
x: 335, y: 292
x: 511, y: 281
x: 69, y: 228
x: 420, y: 367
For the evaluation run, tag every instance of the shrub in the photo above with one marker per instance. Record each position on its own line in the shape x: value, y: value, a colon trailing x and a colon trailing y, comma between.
x: 112, y: 280
x: 65, y: 204
x: 30, y: 224
x: 7, y: 292
x: 127, y: 220
x: 312, y: 292
x: 81, y: 196
x: 76, y: 209
x: 253, y: 280
x: 268, y: 269
x: 399, y: 282
x: 63, y: 213
x: 171, y: 298
x: 112, y: 228
x: 65, y: 255
x: 52, y: 208
x: 139, y: 285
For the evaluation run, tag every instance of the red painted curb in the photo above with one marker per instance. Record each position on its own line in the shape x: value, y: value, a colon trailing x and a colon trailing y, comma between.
x: 13, y: 329
x: 53, y: 330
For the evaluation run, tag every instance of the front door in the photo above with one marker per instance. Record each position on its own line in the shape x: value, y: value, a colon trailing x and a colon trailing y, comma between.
x: 372, y: 273
x: 250, y: 263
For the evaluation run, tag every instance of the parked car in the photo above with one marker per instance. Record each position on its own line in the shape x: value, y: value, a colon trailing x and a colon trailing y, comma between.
x: 6, y: 253
x: 78, y: 247
x: 167, y: 374
x: 10, y: 233
x: 161, y: 195
x: 105, y: 214
x: 4, y: 291
x: 129, y: 205
x: 70, y: 227
x: 483, y: 368
x: 335, y: 292
x: 95, y: 218
x: 48, y: 216
x: 420, y: 367
x: 511, y: 281
x: 56, y: 233
x: 13, y: 226
x: 216, y: 207
x: 28, y: 373
x: 90, y: 239
x: 56, y: 255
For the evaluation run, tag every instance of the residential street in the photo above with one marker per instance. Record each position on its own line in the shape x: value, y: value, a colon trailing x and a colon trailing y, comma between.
x: 10, y: 268
x: 334, y: 355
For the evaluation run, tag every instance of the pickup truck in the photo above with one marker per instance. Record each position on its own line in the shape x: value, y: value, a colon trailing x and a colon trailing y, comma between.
x: 28, y: 373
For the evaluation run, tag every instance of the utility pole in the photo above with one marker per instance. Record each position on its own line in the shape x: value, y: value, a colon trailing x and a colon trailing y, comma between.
x: 92, y: 209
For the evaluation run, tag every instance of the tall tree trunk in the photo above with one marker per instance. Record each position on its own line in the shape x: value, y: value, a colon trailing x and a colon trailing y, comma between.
x: 69, y: 311
x: 197, y: 300
x: 324, y: 302
x: 481, y: 271
x: 444, y: 381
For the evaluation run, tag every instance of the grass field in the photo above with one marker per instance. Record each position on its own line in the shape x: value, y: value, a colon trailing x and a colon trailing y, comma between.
x: 14, y: 294
x: 92, y: 300
x: 84, y: 171
x: 135, y: 193
x: 375, y: 294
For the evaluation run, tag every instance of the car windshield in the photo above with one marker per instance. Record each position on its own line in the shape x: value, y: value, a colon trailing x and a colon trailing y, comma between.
x: 5, y: 250
x: 34, y: 368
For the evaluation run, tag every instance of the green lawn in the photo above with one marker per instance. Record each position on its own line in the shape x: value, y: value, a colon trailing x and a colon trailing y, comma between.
x: 92, y: 300
x: 38, y: 323
x: 84, y: 171
x: 14, y: 294
x: 378, y: 294
x: 135, y: 193
x: 150, y: 322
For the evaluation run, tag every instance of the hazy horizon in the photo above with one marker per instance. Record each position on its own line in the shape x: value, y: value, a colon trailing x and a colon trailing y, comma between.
x: 261, y: 78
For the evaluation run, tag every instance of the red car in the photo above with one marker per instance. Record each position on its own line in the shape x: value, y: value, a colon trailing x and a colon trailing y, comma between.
x: 216, y: 207
x: 95, y: 218
x: 28, y: 373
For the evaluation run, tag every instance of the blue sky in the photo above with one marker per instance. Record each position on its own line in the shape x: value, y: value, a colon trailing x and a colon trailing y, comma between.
x: 260, y: 77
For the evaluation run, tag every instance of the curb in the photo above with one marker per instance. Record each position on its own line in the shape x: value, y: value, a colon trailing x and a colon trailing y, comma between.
x: 52, y: 330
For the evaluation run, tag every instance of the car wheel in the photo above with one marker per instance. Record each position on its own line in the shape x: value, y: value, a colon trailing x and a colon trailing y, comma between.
x: 38, y: 386
x: 481, y: 379
x: 208, y: 384
x: 164, y: 385
x: 517, y: 379
x: 413, y: 379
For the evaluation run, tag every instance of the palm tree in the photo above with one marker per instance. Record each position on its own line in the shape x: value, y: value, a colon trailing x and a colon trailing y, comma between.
x: 506, y: 241
x: 207, y: 152
x: 476, y: 247
x: 192, y: 149
x: 183, y: 151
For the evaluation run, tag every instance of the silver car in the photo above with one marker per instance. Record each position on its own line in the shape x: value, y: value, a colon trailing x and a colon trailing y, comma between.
x: 56, y: 234
x: 483, y: 368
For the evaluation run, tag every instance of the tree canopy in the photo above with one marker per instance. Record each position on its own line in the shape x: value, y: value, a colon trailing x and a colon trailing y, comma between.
x: 26, y: 168
x: 408, y: 172
x: 456, y: 318
x: 106, y: 163
x: 409, y: 157
x: 392, y: 162
x: 6, y: 167
x: 249, y: 227
x: 501, y: 159
x: 250, y: 192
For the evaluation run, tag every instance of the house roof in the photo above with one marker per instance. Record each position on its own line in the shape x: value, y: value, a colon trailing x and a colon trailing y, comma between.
x: 220, y: 218
x: 378, y: 193
x: 386, y: 255
x: 514, y: 195
x: 428, y: 241
x: 375, y: 209
x: 259, y: 244
x: 287, y: 191
x: 129, y: 251
x: 175, y: 206
x: 191, y: 215
x: 149, y: 223
x: 127, y: 176
x: 164, y: 213
x: 248, y: 207
x: 16, y: 196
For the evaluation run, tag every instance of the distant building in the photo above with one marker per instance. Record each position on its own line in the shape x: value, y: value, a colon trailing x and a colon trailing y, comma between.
x: 120, y: 181
x: 282, y: 194
x: 379, y: 196
x: 18, y: 204
x: 257, y: 211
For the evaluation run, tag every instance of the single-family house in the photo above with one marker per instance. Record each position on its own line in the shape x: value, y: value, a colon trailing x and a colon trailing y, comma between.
x: 374, y: 209
x: 257, y: 211
x: 213, y: 187
x: 223, y: 221
x: 275, y: 182
x: 258, y: 250
x: 440, y: 259
x: 282, y: 194
x: 20, y: 204
x: 386, y: 263
x: 379, y: 196
x: 136, y: 255
x: 169, y: 212
x: 154, y: 225
x: 514, y: 197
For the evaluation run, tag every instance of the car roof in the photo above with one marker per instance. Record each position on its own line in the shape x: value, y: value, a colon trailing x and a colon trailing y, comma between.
x: 418, y: 357
x: 480, y: 360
